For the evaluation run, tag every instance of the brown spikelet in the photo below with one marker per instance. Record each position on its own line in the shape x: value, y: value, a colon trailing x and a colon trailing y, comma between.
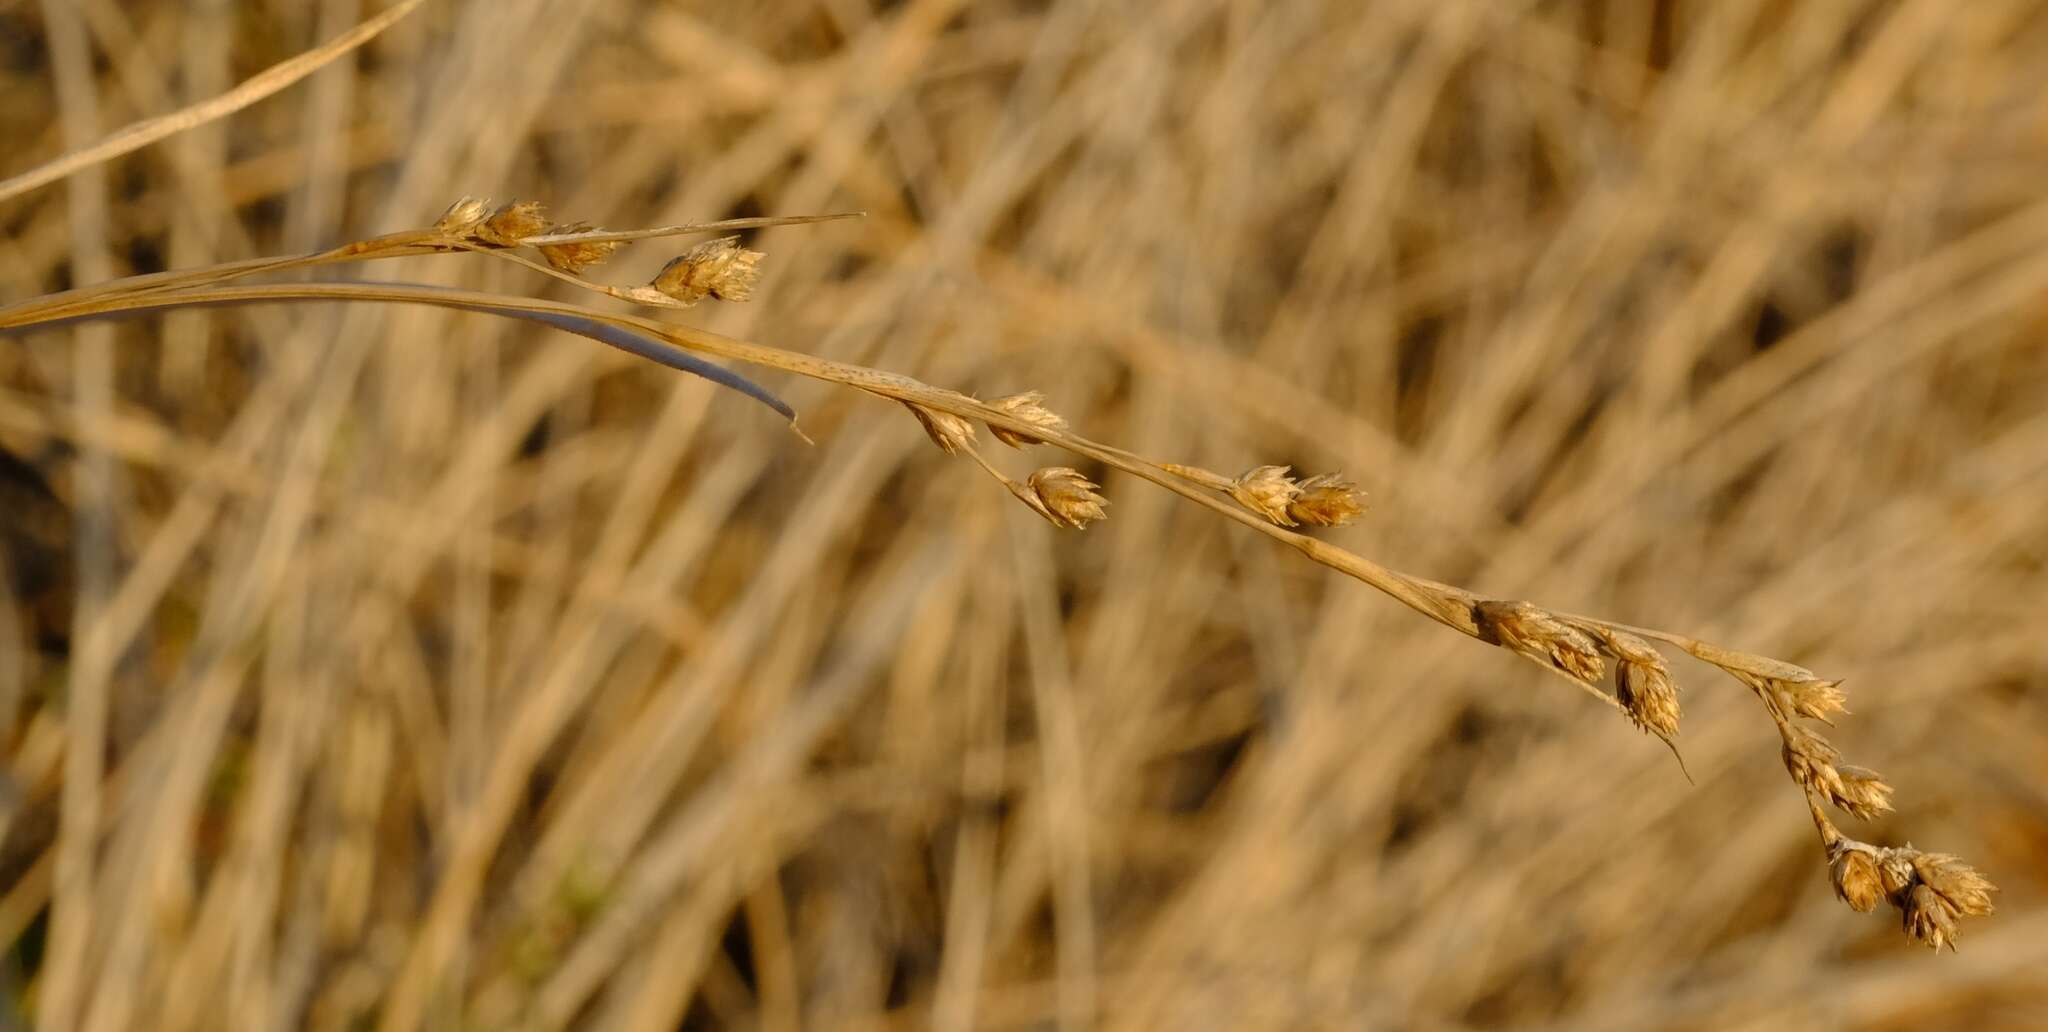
x: 1647, y: 696
x: 1810, y: 759
x: 1029, y: 407
x: 1960, y: 885
x: 948, y: 431
x: 1929, y: 918
x: 1854, y: 872
x: 574, y: 256
x: 1268, y: 491
x: 1642, y: 682
x: 1327, y: 500
x: 1536, y: 633
x: 462, y: 217
x: 1068, y: 498
x: 1816, y: 765
x: 718, y: 268
x: 1814, y: 699
x: 1864, y: 792
x: 512, y: 224
x: 1791, y: 688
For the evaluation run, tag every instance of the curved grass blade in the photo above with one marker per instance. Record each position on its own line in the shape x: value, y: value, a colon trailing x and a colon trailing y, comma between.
x: 616, y: 336
x: 655, y: 351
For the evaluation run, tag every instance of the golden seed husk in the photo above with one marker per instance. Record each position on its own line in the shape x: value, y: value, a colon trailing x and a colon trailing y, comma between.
x: 948, y: 431
x: 1817, y: 765
x: 1327, y: 500
x: 1268, y: 491
x: 1810, y: 759
x: 1864, y: 792
x: 1538, y: 634
x: 1069, y: 499
x: 1965, y: 890
x: 718, y: 268
x: 512, y: 224
x: 1854, y: 874
x: 1815, y: 699
x: 1929, y: 918
x: 1647, y: 695
x: 463, y: 216
x: 575, y: 256
x: 1029, y: 407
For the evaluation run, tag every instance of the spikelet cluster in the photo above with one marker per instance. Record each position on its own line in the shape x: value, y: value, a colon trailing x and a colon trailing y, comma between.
x: 512, y: 224
x: 1066, y: 498
x: 1538, y: 634
x: 574, y: 256
x: 718, y: 268
x: 1642, y: 682
x: 1932, y: 891
x: 1027, y: 407
x: 1324, y: 500
x: 951, y: 433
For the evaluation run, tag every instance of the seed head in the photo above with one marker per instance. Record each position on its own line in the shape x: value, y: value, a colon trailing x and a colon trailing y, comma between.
x: 1814, y: 699
x: 718, y: 268
x: 1864, y: 792
x: 1027, y: 407
x: 1534, y: 632
x: 574, y: 256
x: 1268, y: 491
x: 513, y: 223
x: 1647, y: 695
x: 1957, y: 883
x: 1929, y: 918
x: 1810, y: 759
x: 1328, y: 500
x: 1642, y: 681
x: 462, y: 216
x: 948, y: 431
x: 1068, y: 499
x: 1790, y: 687
x: 1854, y: 872
x: 1817, y: 766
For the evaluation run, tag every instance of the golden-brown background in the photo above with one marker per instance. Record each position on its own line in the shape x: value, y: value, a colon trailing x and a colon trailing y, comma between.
x: 395, y: 665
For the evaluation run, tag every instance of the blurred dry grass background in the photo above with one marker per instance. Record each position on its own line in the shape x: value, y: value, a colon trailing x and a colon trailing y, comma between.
x: 439, y: 656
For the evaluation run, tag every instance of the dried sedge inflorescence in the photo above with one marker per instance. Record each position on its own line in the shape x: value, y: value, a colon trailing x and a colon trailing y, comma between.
x: 1538, y: 634
x: 1060, y: 494
x: 1324, y: 500
x: 1932, y: 891
x: 463, y: 217
x: 574, y: 256
x: 1027, y: 407
x: 1791, y: 690
x: 718, y: 268
x: 1327, y: 500
x: 510, y: 225
x: 1268, y: 491
x: 1811, y: 697
x: 1642, y: 682
x: 1816, y: 765
x: 951, y: 433
x: 1066, y: 497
